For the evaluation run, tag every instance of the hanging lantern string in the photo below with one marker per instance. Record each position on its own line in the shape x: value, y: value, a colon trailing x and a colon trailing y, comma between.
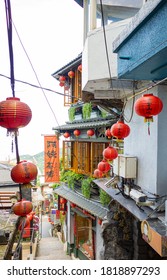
x: 9, y: 32
x: 12, y: 79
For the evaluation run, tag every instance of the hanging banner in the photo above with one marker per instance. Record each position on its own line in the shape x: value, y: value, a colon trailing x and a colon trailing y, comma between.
x: 51, y: 158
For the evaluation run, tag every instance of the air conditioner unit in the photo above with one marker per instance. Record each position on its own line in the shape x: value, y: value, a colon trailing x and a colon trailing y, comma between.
x: 125, y: 166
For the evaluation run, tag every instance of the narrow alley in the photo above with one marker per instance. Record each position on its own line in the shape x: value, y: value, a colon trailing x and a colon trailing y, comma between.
x: 50, y: 248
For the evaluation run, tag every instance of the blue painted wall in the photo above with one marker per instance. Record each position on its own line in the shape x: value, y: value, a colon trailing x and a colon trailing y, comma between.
x: 146, y: 49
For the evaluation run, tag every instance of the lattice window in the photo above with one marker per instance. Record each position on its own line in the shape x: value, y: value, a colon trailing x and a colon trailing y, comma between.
x: 67, y: 95
x: 82, y: 157
x: 72, y: 89
x: 96, y: 154
x: 67, y: 159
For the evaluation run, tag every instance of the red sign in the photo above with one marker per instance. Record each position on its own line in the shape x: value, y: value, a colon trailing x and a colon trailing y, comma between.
x: 51, y: 158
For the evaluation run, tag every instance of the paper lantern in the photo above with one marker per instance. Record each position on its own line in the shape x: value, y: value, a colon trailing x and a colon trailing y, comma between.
x: 14, y: 114
x: 77, y: 132
x: 90, y: 132
x: 108, y: 133
x: 120, y: 130
x: 104, y: 166
x: 61, y: 84
x: 62, y: 79
x: 24, y: 172
x: 97, y: 173
x: 62, y: 200
x: 24, y: 223
x: 73, y: 205
x: 22, y: 208
x: 66, y: 134
x: 80, y: 68
x: 71, y: 74
x: 110, y: 153
x: 148, y: 106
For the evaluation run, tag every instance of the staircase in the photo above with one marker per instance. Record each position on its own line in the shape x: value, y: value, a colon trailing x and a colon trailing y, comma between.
x: 51, y: 248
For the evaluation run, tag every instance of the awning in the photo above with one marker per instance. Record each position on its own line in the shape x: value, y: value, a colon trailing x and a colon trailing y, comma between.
x: 127, y: 203
x: 92, y: 207
x: 84, y: 125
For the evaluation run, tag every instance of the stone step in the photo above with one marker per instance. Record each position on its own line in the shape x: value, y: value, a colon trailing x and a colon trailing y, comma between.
x: 51, y: 248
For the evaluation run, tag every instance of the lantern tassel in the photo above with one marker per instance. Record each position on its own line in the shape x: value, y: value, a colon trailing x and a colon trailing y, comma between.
x: 148, y: 128
x: 12, y: 146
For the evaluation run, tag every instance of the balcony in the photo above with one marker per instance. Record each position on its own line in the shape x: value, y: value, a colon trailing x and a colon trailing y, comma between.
x: 95, y: 75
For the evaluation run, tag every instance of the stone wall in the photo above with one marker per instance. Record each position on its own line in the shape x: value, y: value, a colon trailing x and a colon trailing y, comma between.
x: 122, y: 237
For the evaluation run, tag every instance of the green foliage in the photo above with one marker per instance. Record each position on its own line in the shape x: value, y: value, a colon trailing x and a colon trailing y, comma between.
x: 86, y: 110
x: 70, y: 177
x: 86, y: 187
x: 71, y: 113
x: 104, y: 198
x: 37, y: 159
x: 104, y: 114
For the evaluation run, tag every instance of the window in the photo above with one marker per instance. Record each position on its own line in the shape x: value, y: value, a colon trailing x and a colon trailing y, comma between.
x: 84, y: 236
x: 82, y: 157
x: 72, y: 90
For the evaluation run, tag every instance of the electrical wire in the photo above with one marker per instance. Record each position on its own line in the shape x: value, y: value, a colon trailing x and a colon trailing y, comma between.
x: 105, y: 40
x: 39, y: 87
x: 35, y: 73
x: 10, y: 47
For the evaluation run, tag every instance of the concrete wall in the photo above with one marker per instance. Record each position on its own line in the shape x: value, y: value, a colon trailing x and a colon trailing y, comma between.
x: 94, y: 59
x: 151, y: 150
x: 147, y: 36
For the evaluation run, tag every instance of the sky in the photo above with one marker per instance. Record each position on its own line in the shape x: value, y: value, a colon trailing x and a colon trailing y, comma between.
x: 51, y: 33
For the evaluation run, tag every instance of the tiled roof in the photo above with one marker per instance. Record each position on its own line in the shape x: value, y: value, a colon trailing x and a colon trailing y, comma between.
x: 82, y: 125
x: 92, y: 207
x: 63, y: 70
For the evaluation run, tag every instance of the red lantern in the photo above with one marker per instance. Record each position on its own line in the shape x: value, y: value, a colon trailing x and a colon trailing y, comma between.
x: 97, y: 173
x: 73, y: 205
x: 108, y: 133
x: 71, y: 74
x: 104, y: 166
x: 24, y: 222
x: 148, y: 106
x: 77, y: 132
x: 80, y: 68
x: 24, y: 172
x: 22, y: 208
x: 85, y: 212
x: 99, y: 221
x: 110, y: 153
x: 66, y: 134
x: 90, y: 132
x: 120, y: 130
x: 62, y: 79
x: 14, y: 114
x: 61, y: 84
x: 31, y: 215
x: 62, y: 200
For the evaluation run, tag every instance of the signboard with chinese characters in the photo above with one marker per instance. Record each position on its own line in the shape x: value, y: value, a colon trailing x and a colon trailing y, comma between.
x: 154, y: 233
x: 51, y: 158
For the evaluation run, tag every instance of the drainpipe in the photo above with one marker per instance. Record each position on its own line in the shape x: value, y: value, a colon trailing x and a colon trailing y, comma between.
x: 86, y: 19
x: 93, y: 11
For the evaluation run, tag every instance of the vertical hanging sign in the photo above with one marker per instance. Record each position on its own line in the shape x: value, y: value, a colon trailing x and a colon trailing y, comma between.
x: 51, y: 158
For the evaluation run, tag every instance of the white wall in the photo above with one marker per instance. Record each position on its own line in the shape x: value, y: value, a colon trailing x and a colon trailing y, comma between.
x: 94, y: 59
x: 151, y: 150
